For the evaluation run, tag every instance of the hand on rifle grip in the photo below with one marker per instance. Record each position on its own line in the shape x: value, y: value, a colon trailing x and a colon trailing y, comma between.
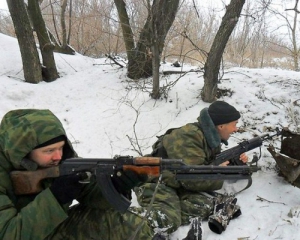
x: 243, y: 158
x: 124, y: 181
x: 226, y: 163
x: 68, y: 187
x: 239, y: 160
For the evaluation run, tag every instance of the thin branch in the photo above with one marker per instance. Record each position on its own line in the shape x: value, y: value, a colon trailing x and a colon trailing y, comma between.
x: 265, y: 200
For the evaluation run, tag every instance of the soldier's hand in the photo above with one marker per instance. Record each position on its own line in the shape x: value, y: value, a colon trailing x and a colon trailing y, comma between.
x: 226, y: 163
x: 67, y: 188
x: 124, y: 181
x: 244, y: 158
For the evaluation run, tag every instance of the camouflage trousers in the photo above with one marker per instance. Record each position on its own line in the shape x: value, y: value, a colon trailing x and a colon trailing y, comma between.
x: 169, y: 210
x: 171, y: 207
x: 86, y: 223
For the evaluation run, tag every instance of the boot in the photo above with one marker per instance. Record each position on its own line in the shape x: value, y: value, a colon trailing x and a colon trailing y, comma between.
x: 195, y: 233
x: 223, y: 213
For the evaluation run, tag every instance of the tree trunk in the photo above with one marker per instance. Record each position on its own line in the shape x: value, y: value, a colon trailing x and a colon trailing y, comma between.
x: 135, y: 58
x: 294, y: 28
x: 165, y: 13
x: 140, y: 65
x: 30, y: 58
x: 64, y: 48
x: 212, y: 64
x: 155, y: 63
x: 46, y: 46
x: 162, y: 14
x: 126, y: 29
x: 63, y: 22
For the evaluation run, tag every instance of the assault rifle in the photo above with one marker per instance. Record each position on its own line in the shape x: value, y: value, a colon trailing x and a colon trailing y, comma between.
x: 29, y: 182
x: 233, y: 154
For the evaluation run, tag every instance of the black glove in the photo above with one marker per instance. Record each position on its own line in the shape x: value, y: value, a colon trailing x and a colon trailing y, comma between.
x: 124, y: 181
x: 67, y: 188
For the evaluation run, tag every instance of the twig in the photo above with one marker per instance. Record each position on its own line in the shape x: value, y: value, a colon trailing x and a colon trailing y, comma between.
x: 114, y: 60
x: 9, y: 76
x: 101, y: 64
x: 263, y: 199
x: 181, y: 72
x: 238, y: 73
x: 67, y: 63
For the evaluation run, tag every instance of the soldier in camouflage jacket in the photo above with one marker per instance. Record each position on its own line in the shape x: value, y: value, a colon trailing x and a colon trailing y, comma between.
x: 196, y: 143
x: 31, y: 136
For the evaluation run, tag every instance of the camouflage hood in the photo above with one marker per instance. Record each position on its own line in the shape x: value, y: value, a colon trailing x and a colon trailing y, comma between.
x: 22, y: 130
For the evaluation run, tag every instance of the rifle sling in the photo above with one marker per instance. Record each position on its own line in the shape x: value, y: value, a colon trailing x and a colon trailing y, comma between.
x: 248, y: 185
x: 215, y: 194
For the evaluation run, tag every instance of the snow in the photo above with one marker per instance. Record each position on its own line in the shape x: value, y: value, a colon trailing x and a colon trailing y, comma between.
x: 106, y: 114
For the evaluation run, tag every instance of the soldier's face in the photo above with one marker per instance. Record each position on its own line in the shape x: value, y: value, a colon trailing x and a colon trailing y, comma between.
x: 225, y: 130
x: 48, y: 156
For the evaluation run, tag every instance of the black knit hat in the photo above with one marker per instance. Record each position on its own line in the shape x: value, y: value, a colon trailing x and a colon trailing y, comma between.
x: 221, y: 112
x: 52, y: 141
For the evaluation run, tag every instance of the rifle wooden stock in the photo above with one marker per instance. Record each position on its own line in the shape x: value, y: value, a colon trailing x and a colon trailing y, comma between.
x: 29, y: 182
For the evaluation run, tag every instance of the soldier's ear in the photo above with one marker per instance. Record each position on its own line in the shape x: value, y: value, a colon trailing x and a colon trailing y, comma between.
x: 219, y: 127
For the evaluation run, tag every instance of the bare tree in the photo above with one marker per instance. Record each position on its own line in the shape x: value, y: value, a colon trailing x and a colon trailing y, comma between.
x: 91, y: 28
x: 63, y: 21
x: 286, y: 30
x: 212, y: 65
x: 293, y: 29
x: 46, y: 46
x: 161, y: 15
x: 64, y: 47
x: 30, y: 58
x: 291, y: 22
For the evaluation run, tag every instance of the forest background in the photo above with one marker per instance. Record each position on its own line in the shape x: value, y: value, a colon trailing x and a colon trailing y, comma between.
x: 266, y: 35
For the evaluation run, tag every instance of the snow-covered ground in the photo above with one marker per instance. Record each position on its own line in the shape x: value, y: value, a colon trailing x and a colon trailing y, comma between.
x: 105, y: 114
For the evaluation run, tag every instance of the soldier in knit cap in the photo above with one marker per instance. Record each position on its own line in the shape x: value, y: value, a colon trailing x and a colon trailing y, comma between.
x: 186, y: 201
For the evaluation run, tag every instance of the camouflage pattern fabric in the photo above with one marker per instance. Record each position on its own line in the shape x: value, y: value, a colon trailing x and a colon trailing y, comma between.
x: 91, y: 223
x: 195, y: 205
x: 164, y: 213
x: 171, y: 208
x: 26, y: 217
x: 40, y: 216
x: 22, y: 130
x: 181, y: 201
x: 188, y: 143
x: 223, y: 213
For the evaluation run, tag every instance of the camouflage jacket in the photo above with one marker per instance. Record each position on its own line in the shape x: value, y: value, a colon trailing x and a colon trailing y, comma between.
x: 33, y: 216
x: 197, y: 144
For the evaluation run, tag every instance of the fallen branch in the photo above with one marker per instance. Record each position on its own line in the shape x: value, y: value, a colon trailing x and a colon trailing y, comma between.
x: 263, y: 199
x: 180, y: 72
x: 114, y: 60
